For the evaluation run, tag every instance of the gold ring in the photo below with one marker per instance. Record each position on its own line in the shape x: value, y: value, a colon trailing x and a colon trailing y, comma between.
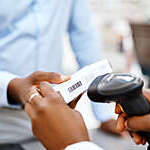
x: 121, y: 108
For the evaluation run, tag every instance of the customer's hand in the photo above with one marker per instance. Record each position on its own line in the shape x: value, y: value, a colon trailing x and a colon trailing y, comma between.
x: 20, y: 89
x: 54, y: 123
x: 134, y: 124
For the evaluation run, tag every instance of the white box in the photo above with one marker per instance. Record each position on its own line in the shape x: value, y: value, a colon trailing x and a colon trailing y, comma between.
x: 81, y: 80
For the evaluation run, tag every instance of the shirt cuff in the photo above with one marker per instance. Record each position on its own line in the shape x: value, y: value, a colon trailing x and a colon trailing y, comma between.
x: 5, y: 78
x: 83, y: 146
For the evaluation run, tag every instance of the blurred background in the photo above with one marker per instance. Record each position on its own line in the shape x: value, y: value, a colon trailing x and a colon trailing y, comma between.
x: 113, y: 20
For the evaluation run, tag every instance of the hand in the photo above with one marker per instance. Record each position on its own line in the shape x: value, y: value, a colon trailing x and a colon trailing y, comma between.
x: 134, y: 124
x: 109, y: 126
x: 54, y: 123
x: 20, y: 89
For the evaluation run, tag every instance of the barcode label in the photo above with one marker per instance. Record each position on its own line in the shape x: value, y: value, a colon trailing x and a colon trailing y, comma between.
x: 81, y: 80
x: 75, y: 86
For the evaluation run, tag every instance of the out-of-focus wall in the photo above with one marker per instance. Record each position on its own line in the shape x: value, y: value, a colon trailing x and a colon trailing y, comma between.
x: 116, y: 9
x: 109, y: 12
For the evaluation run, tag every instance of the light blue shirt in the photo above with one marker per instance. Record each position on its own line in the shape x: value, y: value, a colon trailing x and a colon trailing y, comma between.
x: 32, y: 33
x: 31, y: 39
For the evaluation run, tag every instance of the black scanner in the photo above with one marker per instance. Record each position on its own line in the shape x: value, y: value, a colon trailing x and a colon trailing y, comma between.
x: 125, y: 90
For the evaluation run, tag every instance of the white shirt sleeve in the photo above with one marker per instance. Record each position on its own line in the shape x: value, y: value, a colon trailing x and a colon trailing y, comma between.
x: 5, y: 78
x: 83, y: 146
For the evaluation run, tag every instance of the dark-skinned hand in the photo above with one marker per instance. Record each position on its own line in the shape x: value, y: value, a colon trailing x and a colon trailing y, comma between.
x: 20, y: 89
x: 135, y: 123
x: 54, y: 123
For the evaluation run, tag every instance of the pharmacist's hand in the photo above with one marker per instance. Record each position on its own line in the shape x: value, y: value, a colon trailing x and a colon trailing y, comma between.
x: 20, y: 89
x: 54, y: 123
x: 134, y: 124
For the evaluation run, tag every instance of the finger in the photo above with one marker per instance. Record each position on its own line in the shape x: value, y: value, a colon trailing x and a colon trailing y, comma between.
x: 35, y: 99
x: 28, y: 109
x: 75, y: 101
x: 45, y: 89
x: 120, y: 123
x: 146, y: 93
x: 51, y: 77
x: 139, y: 123
x: 33, y: 92
x: 53, y: 96
x: 117, y: 109
x: 137, y: 138
x: 144, y: 141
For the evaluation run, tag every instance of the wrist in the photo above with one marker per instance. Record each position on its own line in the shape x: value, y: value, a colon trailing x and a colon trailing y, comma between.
x: 13, y: 91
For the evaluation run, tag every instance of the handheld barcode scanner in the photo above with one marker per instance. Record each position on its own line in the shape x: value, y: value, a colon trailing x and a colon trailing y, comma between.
x: 125, y: 90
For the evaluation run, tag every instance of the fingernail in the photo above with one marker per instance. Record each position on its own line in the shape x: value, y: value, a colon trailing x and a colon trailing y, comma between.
x: 63, y: 77
x: 44, y: 83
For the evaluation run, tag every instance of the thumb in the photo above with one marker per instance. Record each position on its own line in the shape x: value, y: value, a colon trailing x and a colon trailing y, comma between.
x: 51, y: 77
x: 138, y: 123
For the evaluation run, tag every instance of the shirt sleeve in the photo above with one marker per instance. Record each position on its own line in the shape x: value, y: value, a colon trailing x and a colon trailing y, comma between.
x: 5, y: 78
x: 102, y: 111
x: 83, y: 146
x: 87, y: 44
x: 84, y: 38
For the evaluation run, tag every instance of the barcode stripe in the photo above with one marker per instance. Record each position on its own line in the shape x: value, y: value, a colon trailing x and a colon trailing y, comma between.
x: 75, y: 86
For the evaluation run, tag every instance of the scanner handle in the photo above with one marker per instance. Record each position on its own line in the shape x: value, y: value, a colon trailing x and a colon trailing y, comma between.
x: 137, y: 106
